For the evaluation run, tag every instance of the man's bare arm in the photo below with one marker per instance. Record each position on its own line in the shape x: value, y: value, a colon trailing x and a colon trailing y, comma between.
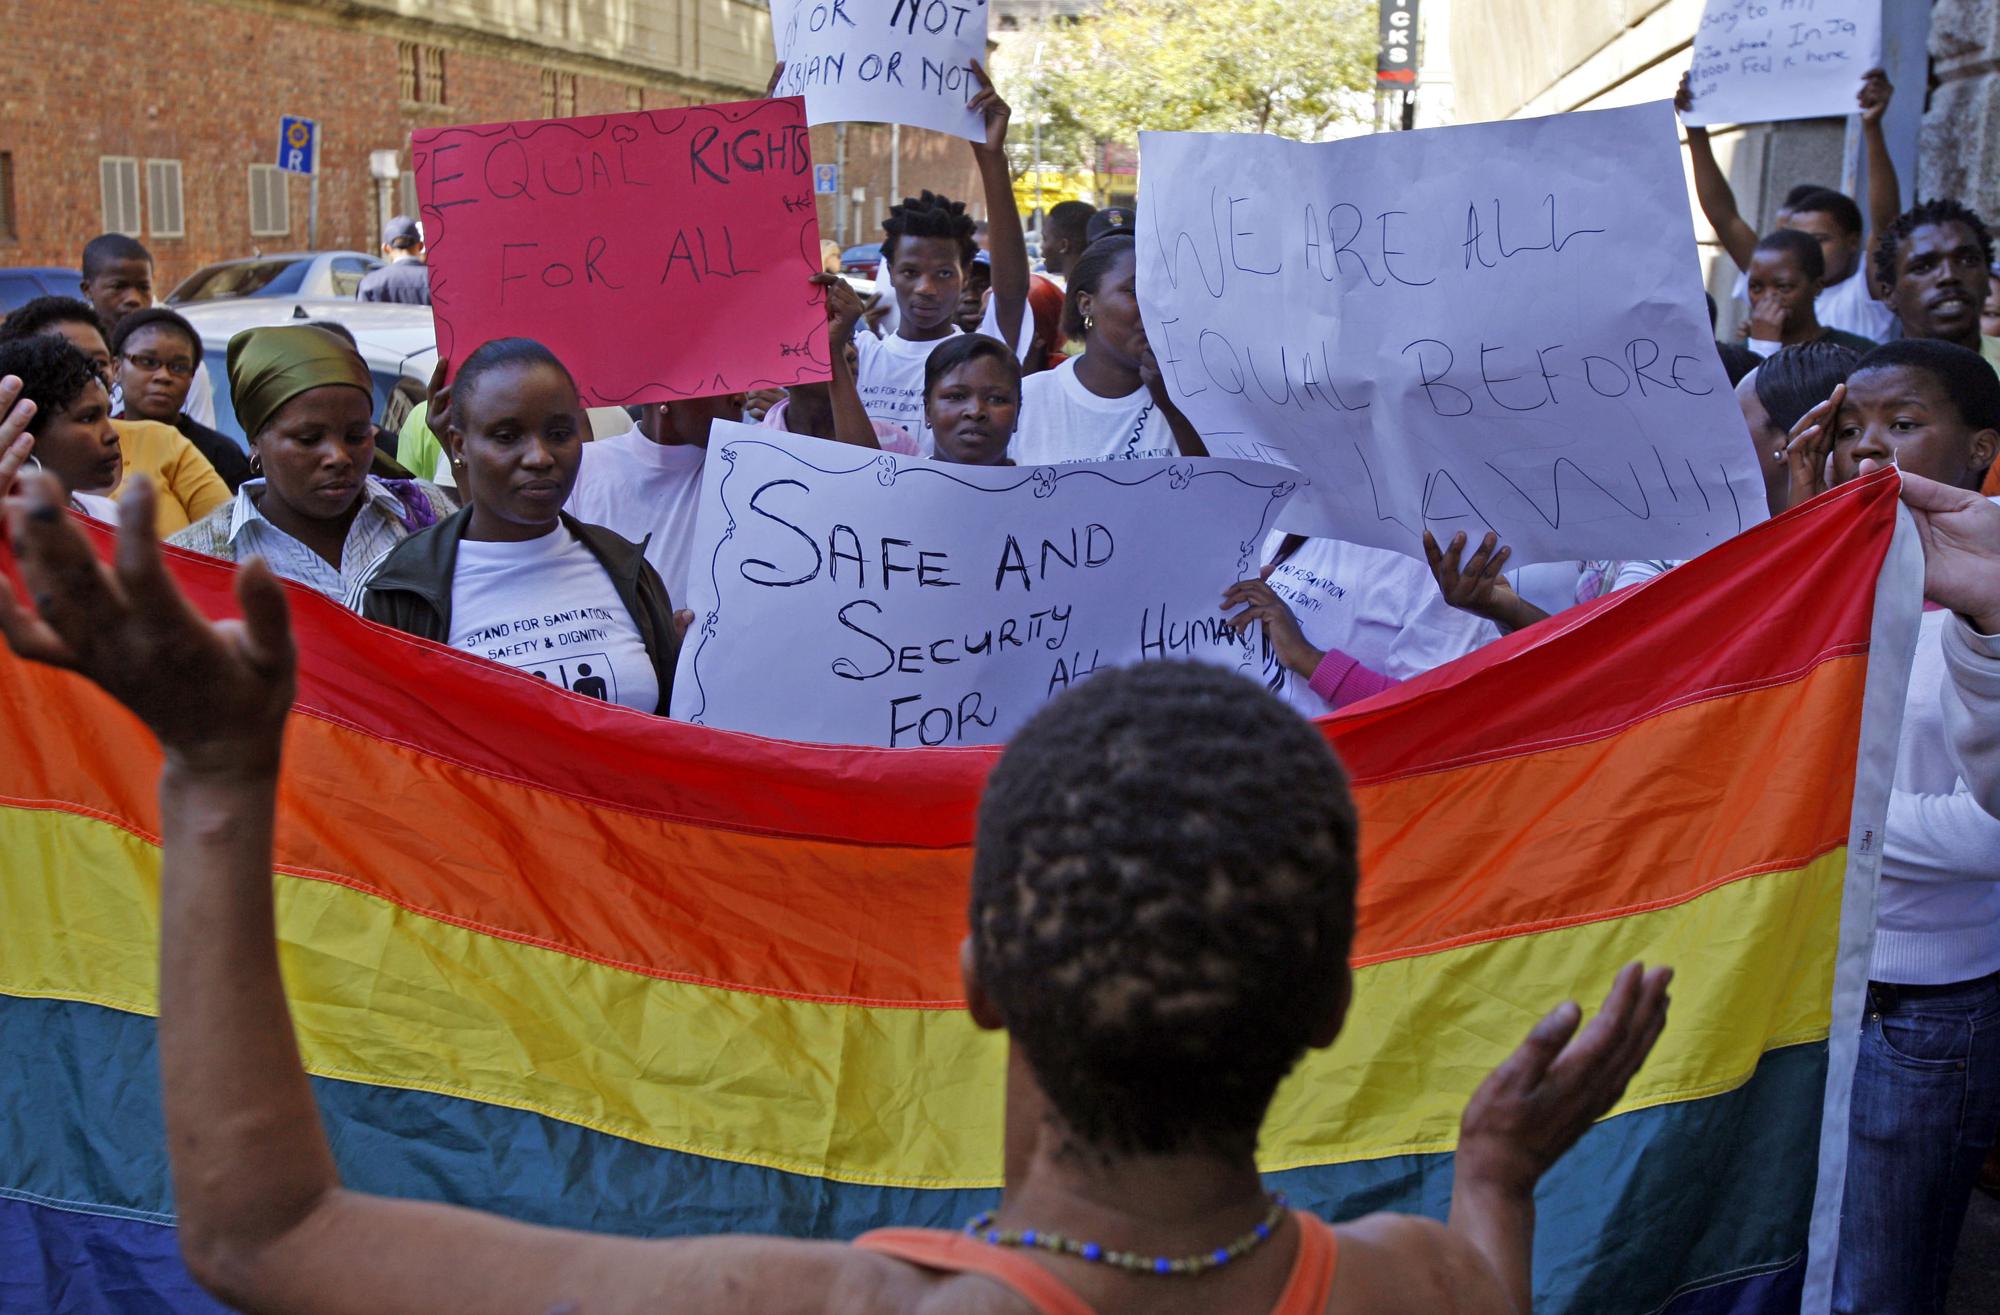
x: 1712, y: 190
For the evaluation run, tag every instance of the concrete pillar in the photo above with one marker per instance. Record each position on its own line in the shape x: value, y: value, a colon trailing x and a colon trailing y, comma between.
x: 1959, y: 152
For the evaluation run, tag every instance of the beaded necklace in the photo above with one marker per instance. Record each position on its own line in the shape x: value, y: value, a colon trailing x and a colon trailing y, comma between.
x: 1131, y: 1261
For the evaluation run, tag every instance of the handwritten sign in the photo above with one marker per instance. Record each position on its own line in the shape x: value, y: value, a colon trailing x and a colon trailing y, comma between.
x: 883, y: 61
x: 1756, y: 61
x: 1498, y: 326
x: 660, y: 255
x: 845, y: 596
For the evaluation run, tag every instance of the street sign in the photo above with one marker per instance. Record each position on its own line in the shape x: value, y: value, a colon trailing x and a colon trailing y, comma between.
x: 826, y: 179
x: 298, y: 144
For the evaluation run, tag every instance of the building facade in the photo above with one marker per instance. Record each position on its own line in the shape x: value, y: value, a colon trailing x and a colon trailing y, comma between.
x: 161, y: 120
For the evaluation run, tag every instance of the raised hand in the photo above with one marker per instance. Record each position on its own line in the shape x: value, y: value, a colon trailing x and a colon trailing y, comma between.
x: 994, y: 110
x: 1875, y: 95
x: 843, y: 308
x: 1543, y: 1097
x: 1261, y: 603
x: 1684, y: 97
x: 215, y: 693
x: 1809, y: 446
x: 1768, y: 318
x: 16, y: 443
x: 1478, y: 586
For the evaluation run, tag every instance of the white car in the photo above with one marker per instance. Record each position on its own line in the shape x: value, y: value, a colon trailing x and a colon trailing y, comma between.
x: 283, y: 275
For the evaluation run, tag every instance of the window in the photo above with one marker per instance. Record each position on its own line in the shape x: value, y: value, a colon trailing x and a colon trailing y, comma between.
x: 420, y: 73
x: 118, y: 176
x: 406, y: 194
x: 270, y: 202
x: 635, y: 98
x: 10, y: 228
x: 347, y: 273
x: 163, y: 198
x: 558, y: 95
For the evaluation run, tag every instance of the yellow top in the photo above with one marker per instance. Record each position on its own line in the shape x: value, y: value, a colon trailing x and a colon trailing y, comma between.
x: 186, y: 483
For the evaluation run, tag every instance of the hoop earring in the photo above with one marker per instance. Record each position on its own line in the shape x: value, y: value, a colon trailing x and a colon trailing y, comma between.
x: 256, y: 462
x: 1089, y: 323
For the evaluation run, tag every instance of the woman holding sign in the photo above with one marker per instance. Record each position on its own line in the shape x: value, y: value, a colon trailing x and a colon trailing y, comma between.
x: 510, y: 577
x: 1110, y: 403
x: 926, y: 250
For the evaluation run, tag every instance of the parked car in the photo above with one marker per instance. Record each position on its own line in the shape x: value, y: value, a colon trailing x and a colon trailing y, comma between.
x: 861, y: 261
x: 399, y: 344
x: 20, y: 286
x: 288, y: 274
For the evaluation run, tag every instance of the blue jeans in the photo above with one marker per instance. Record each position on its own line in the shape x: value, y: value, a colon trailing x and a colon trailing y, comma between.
x: 1925, y: 1111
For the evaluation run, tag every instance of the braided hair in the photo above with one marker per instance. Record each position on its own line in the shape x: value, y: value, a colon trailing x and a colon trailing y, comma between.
x: 929, y: 215
x: 1162, y: 904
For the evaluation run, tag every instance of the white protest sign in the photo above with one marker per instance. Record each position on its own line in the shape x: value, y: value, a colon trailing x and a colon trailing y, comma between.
x: 883, y: 61
x: 847, y: 596
x: 1497, y: 326
x: 1756, y: 61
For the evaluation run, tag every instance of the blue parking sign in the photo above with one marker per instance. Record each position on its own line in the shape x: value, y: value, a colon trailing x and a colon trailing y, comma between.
x: 298, y: 140
x: 826, y: 179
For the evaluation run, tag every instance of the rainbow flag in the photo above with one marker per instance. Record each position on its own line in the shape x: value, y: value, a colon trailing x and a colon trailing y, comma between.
x: 591, y: 968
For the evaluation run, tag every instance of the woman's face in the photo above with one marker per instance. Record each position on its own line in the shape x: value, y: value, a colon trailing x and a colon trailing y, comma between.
x: 972, y: 412
x: 1777, y: 274
x: 78, y: 445
x: 1900, y: 414
x: 521, y: 435
x: 315, y: 452
x: 155, y: 371
x: 1113, y: 313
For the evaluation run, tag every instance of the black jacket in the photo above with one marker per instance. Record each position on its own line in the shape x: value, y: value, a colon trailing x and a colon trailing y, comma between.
x: 411, y: 589
x: 222, y: 453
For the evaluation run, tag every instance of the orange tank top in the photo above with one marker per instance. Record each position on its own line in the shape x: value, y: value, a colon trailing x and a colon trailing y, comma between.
x: 1305, y: 1293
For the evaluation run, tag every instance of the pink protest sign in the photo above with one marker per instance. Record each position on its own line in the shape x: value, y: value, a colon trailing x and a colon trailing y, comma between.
x: 661, y: 254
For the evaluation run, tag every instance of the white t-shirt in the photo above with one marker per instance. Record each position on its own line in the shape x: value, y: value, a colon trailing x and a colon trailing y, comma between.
x: 891, y: 377
x: 1381, y: 608
x: 1061, y: 420
x: 548, y: 607
x: 1846, y: 305
x: 649, y: 492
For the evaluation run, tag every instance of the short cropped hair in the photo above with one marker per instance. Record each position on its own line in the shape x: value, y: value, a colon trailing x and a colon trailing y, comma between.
x: 1826, y: 201
x: 37, y: 317
x: 962, y: 349
x: 53, y: 374
x: 1163, y: 903
x: 154, y: 317
x: 1801, y: 247
x: 1964, y: 375
x: 1068, y: 219
x: 496, y: 353
x: 1801, y: 192
x: 1938, y: 210
x: 109, y: 248
x: 1793, y: 380
x: 929, y: 215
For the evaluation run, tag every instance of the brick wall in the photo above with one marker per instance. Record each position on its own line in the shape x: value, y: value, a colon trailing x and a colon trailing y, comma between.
x: 205, y: 83
x: 930, y: 160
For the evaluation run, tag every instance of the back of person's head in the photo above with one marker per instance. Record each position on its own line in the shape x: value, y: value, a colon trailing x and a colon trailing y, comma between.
x: 1937, y: 210
x: 1737, y: 360
x: 155, y: 317
x: 53, y: 374
x: 497, y: 354
x: 962, y: 350
x: 1794, y: 380
x: 1161, y: 912
x: 1964, y: 375
x: 109, y: 249
x: 1825, y: 201
x: 929, y: 215
x: 1088, y: 273
x: 1800, y: 247
x: 37, y: 317
x: 1068, y: 219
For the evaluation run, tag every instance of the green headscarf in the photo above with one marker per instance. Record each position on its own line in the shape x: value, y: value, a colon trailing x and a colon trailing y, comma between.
x: 269, y: 367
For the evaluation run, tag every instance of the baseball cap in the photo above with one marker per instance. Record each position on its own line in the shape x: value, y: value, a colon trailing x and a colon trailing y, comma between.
x: 401, y: 231
x: 1115, y: 219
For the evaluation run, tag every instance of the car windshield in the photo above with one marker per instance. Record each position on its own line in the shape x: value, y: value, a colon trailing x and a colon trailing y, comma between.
x: 242, y: 278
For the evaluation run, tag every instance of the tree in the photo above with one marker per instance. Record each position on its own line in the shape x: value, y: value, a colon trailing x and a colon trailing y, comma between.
x: 1296, y: 68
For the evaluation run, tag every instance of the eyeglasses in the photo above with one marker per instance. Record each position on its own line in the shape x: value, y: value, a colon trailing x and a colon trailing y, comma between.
x: 147, y: 364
